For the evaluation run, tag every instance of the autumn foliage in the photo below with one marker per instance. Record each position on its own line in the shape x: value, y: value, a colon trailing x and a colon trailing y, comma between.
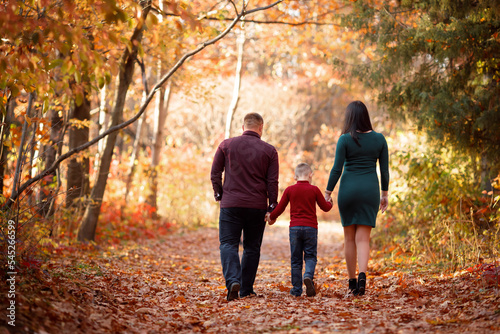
x: 427, y: 70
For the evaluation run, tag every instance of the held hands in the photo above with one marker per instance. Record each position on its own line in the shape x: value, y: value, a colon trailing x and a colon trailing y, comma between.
x: 328, y: 196
x: 268, y: 219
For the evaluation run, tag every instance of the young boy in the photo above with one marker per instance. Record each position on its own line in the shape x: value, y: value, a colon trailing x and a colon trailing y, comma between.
x: 303, y: 197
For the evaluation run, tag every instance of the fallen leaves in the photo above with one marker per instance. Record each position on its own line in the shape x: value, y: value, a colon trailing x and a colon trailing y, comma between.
x: 176, y: 285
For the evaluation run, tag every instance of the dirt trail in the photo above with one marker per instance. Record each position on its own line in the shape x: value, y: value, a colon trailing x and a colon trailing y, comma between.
x: 176, y: 285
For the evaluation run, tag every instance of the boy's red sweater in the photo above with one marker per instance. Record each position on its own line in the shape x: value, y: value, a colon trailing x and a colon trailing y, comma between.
x: 303, y: 198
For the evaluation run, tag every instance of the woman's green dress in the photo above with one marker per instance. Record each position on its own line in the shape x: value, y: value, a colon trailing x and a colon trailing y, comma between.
x: 359, y: 190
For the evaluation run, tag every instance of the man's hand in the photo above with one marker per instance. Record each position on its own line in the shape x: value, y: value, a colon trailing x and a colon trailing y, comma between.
x: 268, y: 219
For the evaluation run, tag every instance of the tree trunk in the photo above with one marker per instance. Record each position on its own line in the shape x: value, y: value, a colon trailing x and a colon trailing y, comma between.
x: 127, y: 64
x: 4, y: 135
x: 50, y: 155
x: 77, y: 184
x: 138, y: 135
x: 237, y: 83
x: 485, y: 173
x: 20, y: 157
x: 31, y: 146
x: 160, y: 116
x: 103, y: 120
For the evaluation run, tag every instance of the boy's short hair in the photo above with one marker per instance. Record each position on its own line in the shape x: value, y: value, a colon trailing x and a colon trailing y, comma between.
x: 253, y: 120
x: 302, y: 169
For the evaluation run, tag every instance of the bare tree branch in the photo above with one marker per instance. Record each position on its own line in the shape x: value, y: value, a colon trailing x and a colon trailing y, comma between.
x: 301, y: 23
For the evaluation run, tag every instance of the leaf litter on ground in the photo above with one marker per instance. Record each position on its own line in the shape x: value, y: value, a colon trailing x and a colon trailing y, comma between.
x: 175, y: 284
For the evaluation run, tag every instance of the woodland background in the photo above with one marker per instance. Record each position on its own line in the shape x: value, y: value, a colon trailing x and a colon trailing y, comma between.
x: 112, y: 111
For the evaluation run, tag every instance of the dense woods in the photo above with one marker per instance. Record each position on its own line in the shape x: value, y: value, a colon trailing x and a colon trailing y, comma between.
x: 111, y: 112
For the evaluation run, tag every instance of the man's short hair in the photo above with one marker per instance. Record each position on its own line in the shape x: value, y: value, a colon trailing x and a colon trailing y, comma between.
x: 302, y: 170
x: 253, y: 120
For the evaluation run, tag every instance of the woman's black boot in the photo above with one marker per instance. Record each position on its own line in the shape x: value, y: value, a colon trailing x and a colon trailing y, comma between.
x: 361, y: 283
x: 353, y: 286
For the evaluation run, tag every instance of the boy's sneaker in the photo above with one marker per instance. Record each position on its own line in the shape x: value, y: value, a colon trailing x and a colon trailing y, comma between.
x: 310, y: 291
x: 233, y: 291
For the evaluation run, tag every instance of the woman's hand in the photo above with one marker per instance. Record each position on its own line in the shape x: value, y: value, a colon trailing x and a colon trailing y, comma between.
x: 384, y: 201
x: 328, y: 196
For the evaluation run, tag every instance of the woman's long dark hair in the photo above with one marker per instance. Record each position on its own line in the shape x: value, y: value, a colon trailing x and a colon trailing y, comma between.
x: 356, y: 118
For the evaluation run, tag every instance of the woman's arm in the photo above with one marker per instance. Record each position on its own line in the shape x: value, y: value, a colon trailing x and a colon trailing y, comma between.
x: 384, y: 176
x: 338, y: 165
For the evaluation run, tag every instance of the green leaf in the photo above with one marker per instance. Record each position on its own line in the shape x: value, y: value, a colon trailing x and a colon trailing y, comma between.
x: 55, y: 63
x: 78, y: 77
x: 100, y: 82
x: 78, y: 98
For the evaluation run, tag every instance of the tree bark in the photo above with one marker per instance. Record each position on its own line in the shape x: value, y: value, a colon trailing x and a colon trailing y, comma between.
x: 33, y: 153
x: 77, y: 184
x: 127, y: 64
x: 50, y: 155
x: 20, y: 157
x: 485, y: 173
x: 4, y: 135
x: 103, y: 119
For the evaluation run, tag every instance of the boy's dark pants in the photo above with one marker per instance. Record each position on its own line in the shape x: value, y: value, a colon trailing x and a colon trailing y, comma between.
x: 232, y: 221
x: 303, y: 247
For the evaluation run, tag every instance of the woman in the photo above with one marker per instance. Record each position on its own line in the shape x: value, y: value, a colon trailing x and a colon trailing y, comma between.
x: 358, y: 149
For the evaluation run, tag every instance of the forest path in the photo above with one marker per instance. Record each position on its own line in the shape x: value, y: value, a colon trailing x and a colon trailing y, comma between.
x: 176, y: 286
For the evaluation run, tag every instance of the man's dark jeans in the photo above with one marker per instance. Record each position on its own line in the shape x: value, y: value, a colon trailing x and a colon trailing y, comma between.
x: 303, y: 247
x: 232, y: 221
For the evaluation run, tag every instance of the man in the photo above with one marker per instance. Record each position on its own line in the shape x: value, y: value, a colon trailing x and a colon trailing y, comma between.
x: 251, y: 170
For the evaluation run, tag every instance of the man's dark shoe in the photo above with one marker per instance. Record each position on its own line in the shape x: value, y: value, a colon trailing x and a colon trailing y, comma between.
x: 232, y: 294
x: 250, y: 294
x: 310, y: 291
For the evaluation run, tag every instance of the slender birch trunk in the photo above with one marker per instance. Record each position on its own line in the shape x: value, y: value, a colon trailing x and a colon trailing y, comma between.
x: 160, y: 114
x: 237, y: 83
x: 103, y: 119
